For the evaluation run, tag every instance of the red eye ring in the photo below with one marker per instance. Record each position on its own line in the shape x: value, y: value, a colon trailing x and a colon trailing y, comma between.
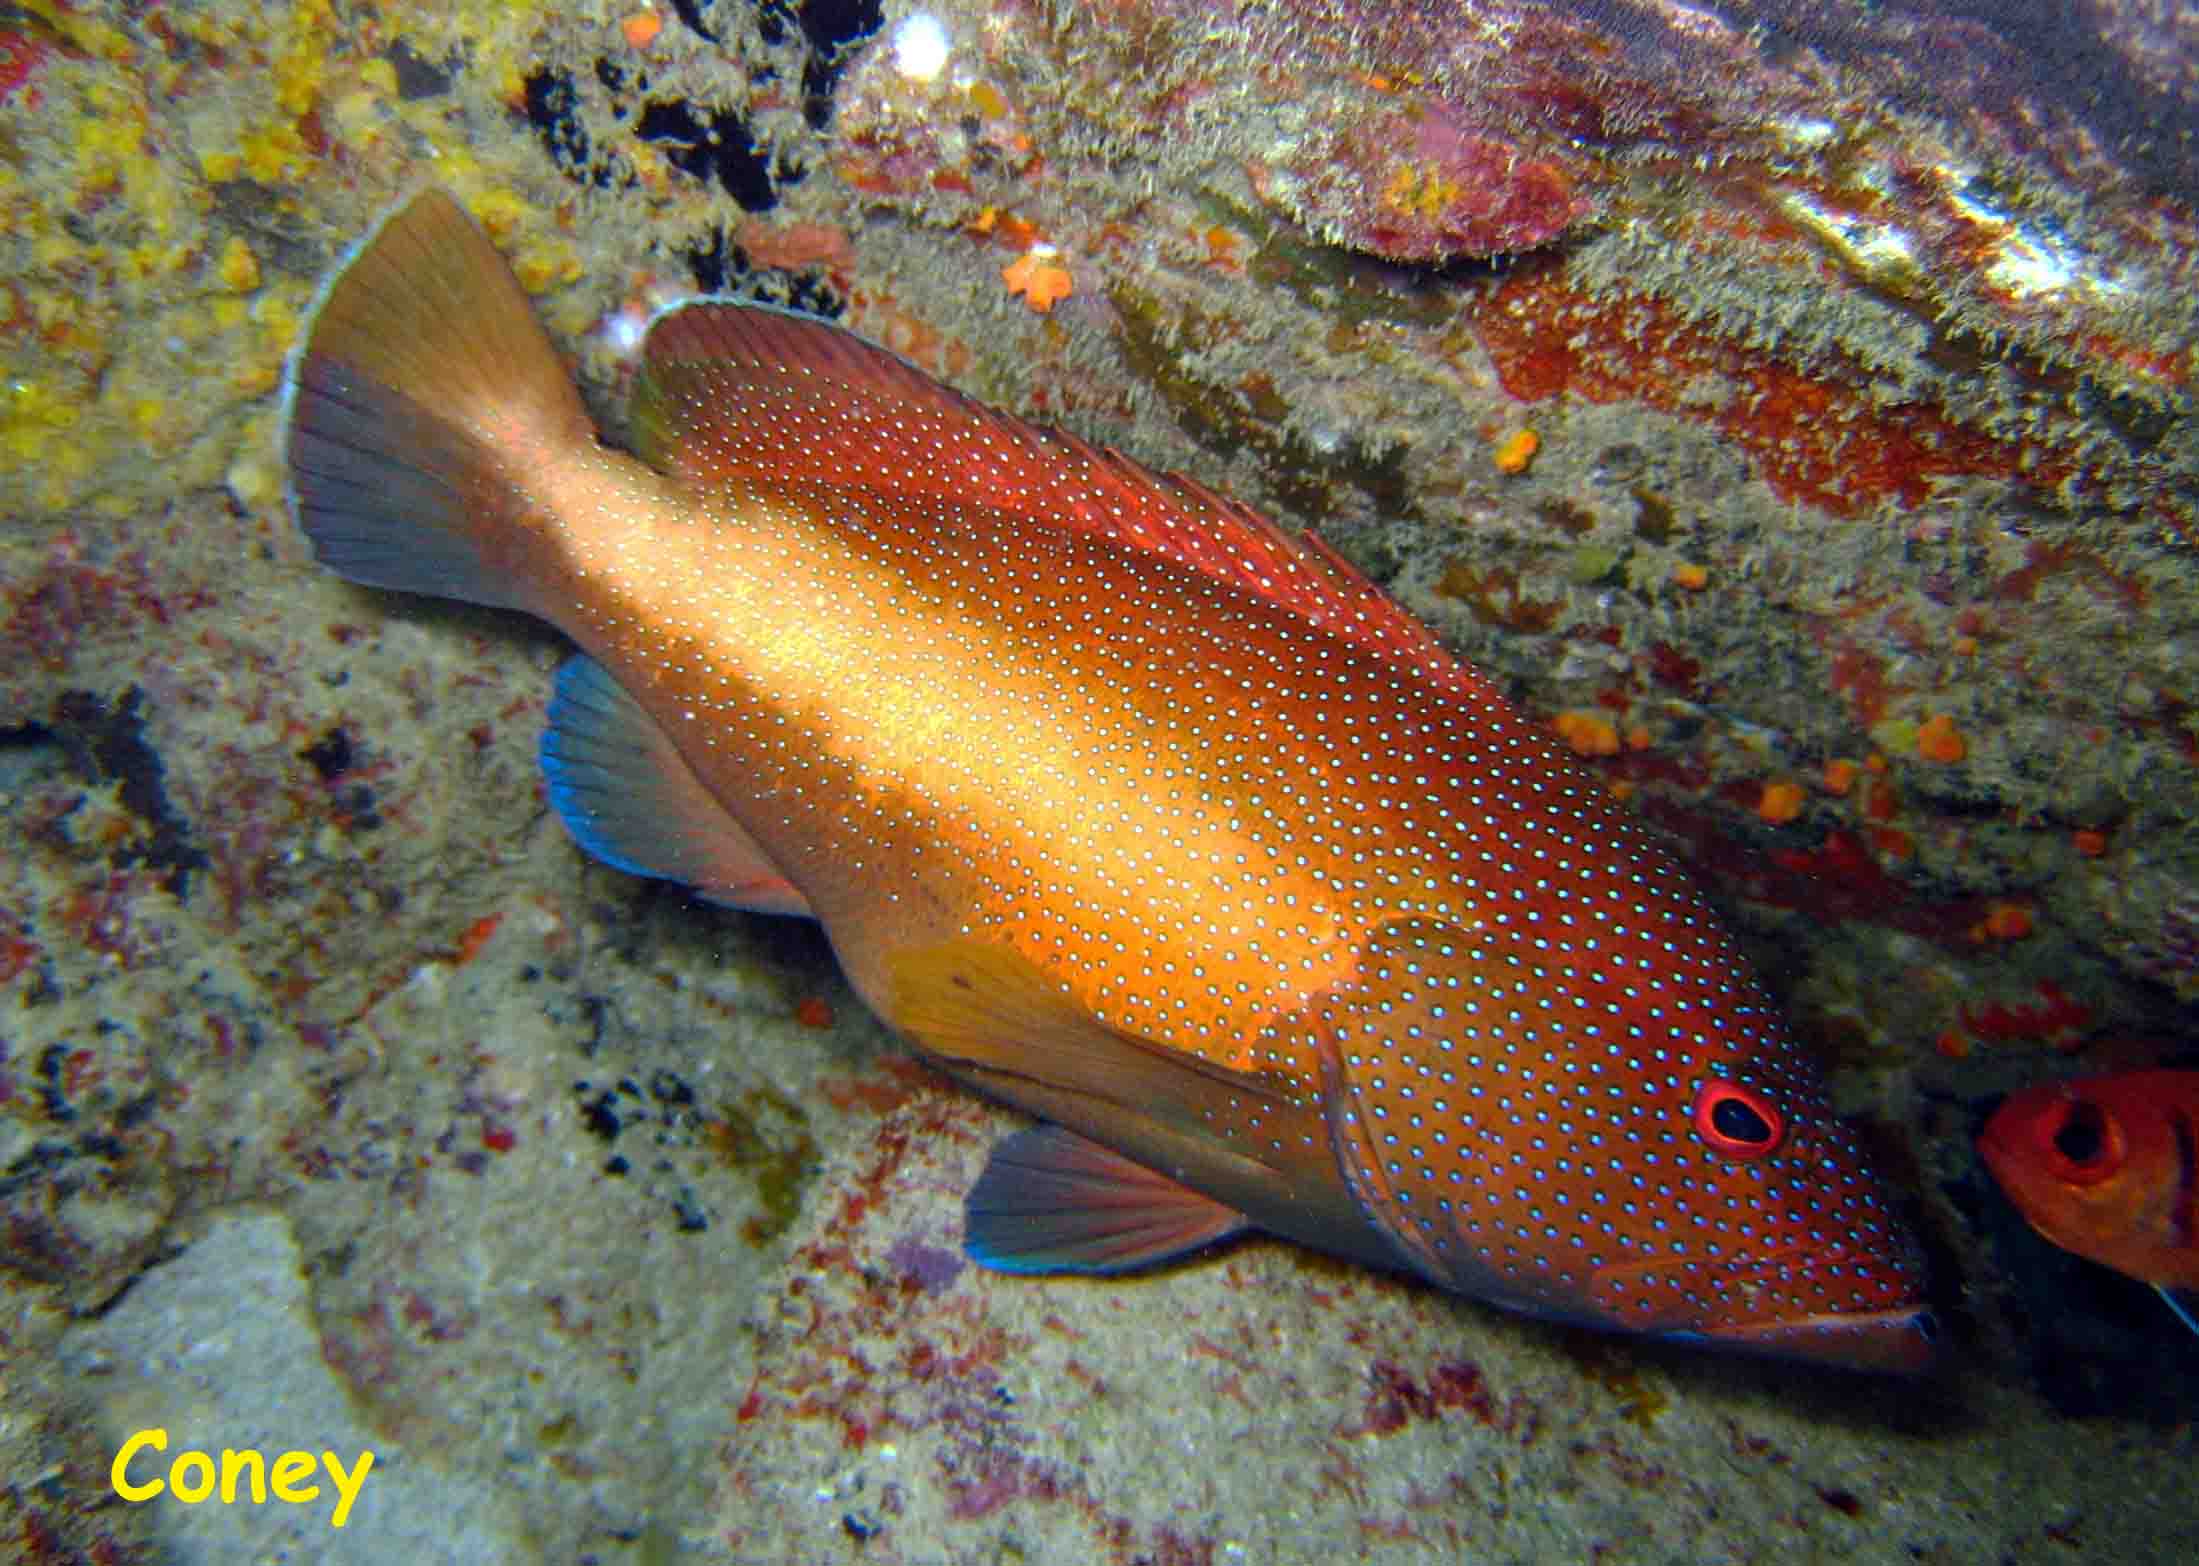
x: 2082, y: 1143
x: 1736, y: 1121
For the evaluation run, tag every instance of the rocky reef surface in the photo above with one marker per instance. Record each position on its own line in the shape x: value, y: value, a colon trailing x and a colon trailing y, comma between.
x: 1791, y: 401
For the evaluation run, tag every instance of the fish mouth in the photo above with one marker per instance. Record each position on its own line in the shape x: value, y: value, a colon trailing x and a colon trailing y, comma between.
x: 1902, y: 1340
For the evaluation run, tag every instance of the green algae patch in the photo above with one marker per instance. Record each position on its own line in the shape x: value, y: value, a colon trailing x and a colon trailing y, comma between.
x: 1160, y: 342
x: 765, y: 1135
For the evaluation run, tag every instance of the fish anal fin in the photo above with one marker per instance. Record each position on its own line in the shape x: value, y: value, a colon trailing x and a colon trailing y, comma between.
x: 1053, y: 1201
x: 630, y: 799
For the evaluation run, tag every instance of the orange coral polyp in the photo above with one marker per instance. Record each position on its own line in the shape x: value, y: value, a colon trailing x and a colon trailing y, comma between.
x: 1039, y: 276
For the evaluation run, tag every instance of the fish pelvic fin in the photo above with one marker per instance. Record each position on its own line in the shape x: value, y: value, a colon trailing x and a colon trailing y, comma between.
x: 2185, y: 1302
x: 420, y: 410
x: 1052, y: 1201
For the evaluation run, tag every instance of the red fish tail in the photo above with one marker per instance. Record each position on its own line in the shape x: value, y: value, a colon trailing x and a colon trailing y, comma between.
x: 423, y: 402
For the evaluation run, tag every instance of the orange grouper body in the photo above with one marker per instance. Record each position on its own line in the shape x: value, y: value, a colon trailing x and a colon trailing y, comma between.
x: 1120, y: 803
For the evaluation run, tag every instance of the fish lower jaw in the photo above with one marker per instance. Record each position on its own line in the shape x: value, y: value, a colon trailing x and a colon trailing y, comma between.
x: 1901, y: 1340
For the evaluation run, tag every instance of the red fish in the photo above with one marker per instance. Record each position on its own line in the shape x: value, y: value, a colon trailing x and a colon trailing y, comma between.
x: 1120, y: 803
x: 2108, y: 1167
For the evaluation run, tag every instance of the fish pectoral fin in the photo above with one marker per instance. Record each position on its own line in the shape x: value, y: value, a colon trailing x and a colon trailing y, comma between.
x: 630, y: 799
x: 1252, y: 1143
x: 1052, y: 1201
x: 974, y: 1002
x: 2185, y: 1302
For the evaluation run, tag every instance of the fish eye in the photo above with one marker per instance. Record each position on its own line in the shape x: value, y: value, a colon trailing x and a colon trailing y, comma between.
x: 1737, y: 1121
x: 2083, y: 1141
x: 2079, y: 1139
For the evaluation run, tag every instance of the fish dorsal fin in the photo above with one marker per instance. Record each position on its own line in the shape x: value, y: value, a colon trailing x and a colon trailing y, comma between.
x: 744, y: 394
x: 629, y: 798
x: 1052, y: 1201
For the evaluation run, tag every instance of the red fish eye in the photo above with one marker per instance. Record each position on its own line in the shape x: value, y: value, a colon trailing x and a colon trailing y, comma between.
x: 1737, y: 1121
x: 2084, y: 1144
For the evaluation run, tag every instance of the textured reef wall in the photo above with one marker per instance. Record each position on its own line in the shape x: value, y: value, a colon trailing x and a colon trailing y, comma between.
x: 1793, y: 402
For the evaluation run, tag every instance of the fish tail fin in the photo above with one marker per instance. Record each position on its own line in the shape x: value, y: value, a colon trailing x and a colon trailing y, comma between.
x: 421, y: 403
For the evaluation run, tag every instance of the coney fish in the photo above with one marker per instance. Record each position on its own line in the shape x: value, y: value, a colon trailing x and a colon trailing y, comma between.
x: 1120, y: 803
x: 2108, y: 1167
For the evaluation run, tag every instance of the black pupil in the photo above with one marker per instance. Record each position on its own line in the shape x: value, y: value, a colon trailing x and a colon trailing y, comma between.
x: 1737, y: 1121
x: 2081, y: 1135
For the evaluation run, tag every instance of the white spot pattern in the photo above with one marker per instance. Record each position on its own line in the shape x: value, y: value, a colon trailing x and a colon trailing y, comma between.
x: 966, y: 679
